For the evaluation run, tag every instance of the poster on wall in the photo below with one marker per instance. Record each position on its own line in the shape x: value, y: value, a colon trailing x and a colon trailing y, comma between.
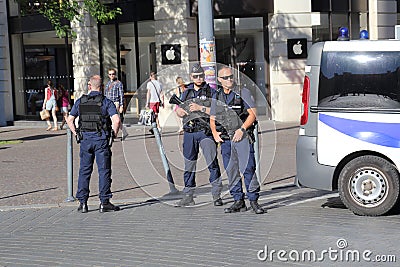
x: 207, y: 52
x: 170, y: 54
x: 208, y: 60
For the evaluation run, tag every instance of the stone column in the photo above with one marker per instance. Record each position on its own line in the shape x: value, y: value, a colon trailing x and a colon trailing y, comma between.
x: 382, y: 18
x: 6, y: 103
x: 173, y: 25
x: 85, y: 53
x: 291, y: 19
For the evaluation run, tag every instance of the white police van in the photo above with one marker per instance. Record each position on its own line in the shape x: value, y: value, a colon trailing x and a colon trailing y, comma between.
x: 349, y: 138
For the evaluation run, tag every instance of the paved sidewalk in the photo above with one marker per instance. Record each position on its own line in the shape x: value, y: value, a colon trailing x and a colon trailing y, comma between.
x: 34, y: 172
x: 38, y: 228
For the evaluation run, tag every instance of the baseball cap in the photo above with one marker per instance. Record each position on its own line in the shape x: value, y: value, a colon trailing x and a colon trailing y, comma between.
x: 197, y: 68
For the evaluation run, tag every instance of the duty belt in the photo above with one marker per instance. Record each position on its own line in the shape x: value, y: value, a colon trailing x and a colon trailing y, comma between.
x: 193, y: 129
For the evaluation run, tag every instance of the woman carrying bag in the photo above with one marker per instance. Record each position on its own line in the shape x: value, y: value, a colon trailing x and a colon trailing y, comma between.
x: 50, y: 104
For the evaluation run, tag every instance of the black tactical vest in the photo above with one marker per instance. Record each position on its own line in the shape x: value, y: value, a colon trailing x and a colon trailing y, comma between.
x: 229, y: 116
x: 90, y: 117
x: 203, y: 99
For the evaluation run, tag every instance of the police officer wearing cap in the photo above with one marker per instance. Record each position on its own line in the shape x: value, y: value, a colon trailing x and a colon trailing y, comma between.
x: 233, y: 115
x: 98, y: 122
x: 197, y: 134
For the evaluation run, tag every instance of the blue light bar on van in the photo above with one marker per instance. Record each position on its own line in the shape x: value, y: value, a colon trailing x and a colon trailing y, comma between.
x: 378, y: 133
x: 364, y: 34
x: 343, y: 34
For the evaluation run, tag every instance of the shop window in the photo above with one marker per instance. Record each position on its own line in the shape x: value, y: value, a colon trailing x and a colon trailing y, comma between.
x: 398, y: 12
x: 320, y: 28
x: 339, y: 20
x: 43, y: 58
x: 329, y: 15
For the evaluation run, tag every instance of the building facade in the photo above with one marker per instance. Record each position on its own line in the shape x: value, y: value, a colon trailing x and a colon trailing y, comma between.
x: 256, y: 37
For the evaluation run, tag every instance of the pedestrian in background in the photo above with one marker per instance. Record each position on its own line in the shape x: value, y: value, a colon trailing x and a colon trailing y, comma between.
x: 232, y: 118
x: 154, y: 97
x: 64, y: 103
x: 94, y: 110
x: 114, y: 90
x: 195, y: 113
x: 50, y: 104
x: 178, y: 92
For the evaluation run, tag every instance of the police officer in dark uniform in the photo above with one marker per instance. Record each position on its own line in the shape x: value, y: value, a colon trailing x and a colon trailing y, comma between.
x: 232, y: 119
x: 98, y: 122
x: 195, y: 117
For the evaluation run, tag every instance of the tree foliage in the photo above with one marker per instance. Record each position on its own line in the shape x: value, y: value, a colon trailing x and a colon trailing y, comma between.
x: 61, y: 12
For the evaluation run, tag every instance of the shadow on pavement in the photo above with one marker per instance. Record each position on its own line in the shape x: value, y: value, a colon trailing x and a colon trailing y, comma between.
x: 140, y: 204
x: 334, y: 202
x: 41, y: 136
x: 13, y: 130
x: 280, y: 180
x: 126, y: 189
x: 288, y: 195
x: 30, y: 192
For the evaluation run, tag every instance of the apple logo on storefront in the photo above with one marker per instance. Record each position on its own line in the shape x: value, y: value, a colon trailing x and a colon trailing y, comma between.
x: 297, y: 48
x: 170, y: 54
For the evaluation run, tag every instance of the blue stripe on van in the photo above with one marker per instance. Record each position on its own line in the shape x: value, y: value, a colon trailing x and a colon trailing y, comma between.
x: 378, y: 133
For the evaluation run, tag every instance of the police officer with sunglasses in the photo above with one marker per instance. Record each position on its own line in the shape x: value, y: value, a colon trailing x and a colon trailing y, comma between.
x: 197, y: 134
x: 233, y: 118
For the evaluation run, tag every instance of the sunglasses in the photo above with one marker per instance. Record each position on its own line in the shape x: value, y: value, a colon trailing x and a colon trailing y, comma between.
x: 111, y: 74
x: 227, y: 77
x: 198, y: 76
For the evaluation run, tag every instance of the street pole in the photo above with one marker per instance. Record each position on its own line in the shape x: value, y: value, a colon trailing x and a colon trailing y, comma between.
x: 70, y: 197
x: 207, y: 41
x: 170, y: 179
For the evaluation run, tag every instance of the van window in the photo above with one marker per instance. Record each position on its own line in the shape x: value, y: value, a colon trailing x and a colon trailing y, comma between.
x: 359, y: 79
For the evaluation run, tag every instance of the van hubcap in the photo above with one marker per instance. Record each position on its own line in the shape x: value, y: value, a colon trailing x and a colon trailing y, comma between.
x: 368, y: 186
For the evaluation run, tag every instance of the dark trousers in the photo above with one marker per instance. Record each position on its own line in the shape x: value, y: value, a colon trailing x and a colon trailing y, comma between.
x: 238, y: 157
x: 89, y: 150
x: 192, y: 142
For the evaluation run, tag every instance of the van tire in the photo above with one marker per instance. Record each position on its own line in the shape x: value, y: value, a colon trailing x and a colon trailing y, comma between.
x: 369, y: 186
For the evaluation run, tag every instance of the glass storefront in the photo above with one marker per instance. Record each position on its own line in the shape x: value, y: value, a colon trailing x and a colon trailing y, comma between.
x: 37, y: 57
x: 240, y: 44
x: 129, y: 48
x: 328, y: 16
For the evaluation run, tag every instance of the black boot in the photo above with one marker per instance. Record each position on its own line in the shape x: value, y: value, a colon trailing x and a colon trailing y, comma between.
x: 256, y: 207
x: 237, y: 206
x: 83, y: 208
x: 108, y: 206
x: 187, y: 200
x: 217, y: 200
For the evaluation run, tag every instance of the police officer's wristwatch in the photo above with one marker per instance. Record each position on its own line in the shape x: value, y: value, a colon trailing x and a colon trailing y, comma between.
x: 243, y: 129
x: 203, y: 109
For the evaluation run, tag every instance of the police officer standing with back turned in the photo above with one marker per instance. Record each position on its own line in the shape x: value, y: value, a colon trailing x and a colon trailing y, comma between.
x: 98, y: 122
x: 232, y: 119
x: 195, y: 118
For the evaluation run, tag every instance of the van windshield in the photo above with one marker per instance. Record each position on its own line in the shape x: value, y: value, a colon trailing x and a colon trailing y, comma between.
x: 365, y: 79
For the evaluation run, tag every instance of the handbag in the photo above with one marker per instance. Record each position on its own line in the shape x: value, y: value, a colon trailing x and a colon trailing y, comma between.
x: 44, y: 114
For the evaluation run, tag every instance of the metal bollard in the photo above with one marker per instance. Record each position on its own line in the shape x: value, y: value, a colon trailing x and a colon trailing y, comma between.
x: 70, y: 197
x: 257, y: 153
x: 172, y: 188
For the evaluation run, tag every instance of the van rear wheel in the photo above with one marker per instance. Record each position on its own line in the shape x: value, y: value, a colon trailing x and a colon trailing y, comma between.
x: 369, y: 185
